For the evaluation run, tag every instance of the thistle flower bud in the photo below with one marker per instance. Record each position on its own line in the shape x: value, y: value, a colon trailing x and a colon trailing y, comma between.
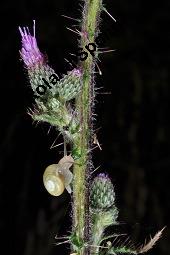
x: 69, y: 86
x: 35, y: 62
x: 102, y: 194
x: 39, y: 71
x: 53, y: 94
x: 103, y: 210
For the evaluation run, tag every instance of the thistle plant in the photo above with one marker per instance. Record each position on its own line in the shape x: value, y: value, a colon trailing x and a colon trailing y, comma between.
x: 67, y: 103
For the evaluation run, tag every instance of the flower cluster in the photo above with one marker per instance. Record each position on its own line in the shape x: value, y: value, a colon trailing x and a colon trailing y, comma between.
x: 53, y: 94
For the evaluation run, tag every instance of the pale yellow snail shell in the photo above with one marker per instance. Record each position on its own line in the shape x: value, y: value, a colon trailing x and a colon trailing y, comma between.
x: 58, y: 177
x: 53, y: 181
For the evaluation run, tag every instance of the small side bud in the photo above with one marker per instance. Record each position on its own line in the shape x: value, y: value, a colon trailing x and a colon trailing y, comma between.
x: 102, y: 194
x: 70, y: 85
x: 103, y: 209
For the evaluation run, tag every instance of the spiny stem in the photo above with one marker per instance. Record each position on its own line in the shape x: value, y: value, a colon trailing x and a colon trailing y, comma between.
x: 81, y: 146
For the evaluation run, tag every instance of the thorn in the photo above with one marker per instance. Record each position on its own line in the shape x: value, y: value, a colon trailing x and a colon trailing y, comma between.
x: 54, y: 141
x: 65, y: 147
x: 30, y: 112
x: 98, y: 88
x: 95, y: 169
x: 126, y: 240
x: 132, y: 246
x: 56, y: 145
x: 95, y: 141
x: 78, y: 31
x: 100, y: 72
x: 114, y: 241
x: 97, y: 246
x: 97, y: 58
x: 97, y: 129
x: 49, y: 130
x: 105, y: 51
x: 36, y: 124
x: 92, y: 148
x: 68, y: 62
x: 76, y: 25
x: 111, y: 236
x: 74, y: 31
x: 104, y: 9
x: 61, y: 237
x: 70, y: 18
x: 118, y: 243
x: 73, y: 54
x: 67, y: 241
x: 129, y: 243
x: 96, y: 72
x: 122, y: 223
x: 104, y: 93
x: 138, y: 246
x: 34, y: 27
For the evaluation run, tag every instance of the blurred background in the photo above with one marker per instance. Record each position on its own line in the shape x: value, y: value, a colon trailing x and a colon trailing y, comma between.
x: 132, y: 124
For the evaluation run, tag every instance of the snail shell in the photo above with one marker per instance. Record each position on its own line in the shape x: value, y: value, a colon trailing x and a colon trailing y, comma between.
x: 58, y: 177
x: 53, y: 180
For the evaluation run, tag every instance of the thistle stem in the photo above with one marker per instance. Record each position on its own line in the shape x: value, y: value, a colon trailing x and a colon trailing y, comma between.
x: 81, y: 147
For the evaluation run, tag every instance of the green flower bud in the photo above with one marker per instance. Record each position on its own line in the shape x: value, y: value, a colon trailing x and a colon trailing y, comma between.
x: 102, y: 194
x: 69, y: 86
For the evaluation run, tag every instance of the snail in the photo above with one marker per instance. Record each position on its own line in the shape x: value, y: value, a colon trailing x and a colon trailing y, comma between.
x: 58, y: 177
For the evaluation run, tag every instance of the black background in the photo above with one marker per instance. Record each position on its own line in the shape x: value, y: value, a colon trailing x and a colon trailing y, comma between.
x: 133, y: 122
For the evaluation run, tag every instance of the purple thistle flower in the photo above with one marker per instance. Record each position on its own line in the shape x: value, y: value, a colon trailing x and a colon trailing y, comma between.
x: 34, y: 60
x: 30, y: 52
x: 77, y: 72
x: 41, y: 75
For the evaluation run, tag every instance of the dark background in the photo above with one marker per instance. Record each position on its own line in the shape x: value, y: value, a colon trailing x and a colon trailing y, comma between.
x: 133, y: 122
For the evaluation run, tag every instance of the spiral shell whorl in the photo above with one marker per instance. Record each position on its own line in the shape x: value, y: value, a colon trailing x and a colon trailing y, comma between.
x: 53, y: 181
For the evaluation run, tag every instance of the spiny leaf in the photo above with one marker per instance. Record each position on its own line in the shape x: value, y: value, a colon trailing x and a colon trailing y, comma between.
x: 147, y: 246
x: 123, y: 248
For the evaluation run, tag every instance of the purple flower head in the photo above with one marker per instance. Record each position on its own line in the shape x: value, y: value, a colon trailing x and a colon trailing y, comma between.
x: 103, y: 176
x: 77, y: 72
x: 30, y: 52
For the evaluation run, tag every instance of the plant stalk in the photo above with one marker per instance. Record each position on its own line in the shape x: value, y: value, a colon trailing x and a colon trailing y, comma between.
x: 81, y: 147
